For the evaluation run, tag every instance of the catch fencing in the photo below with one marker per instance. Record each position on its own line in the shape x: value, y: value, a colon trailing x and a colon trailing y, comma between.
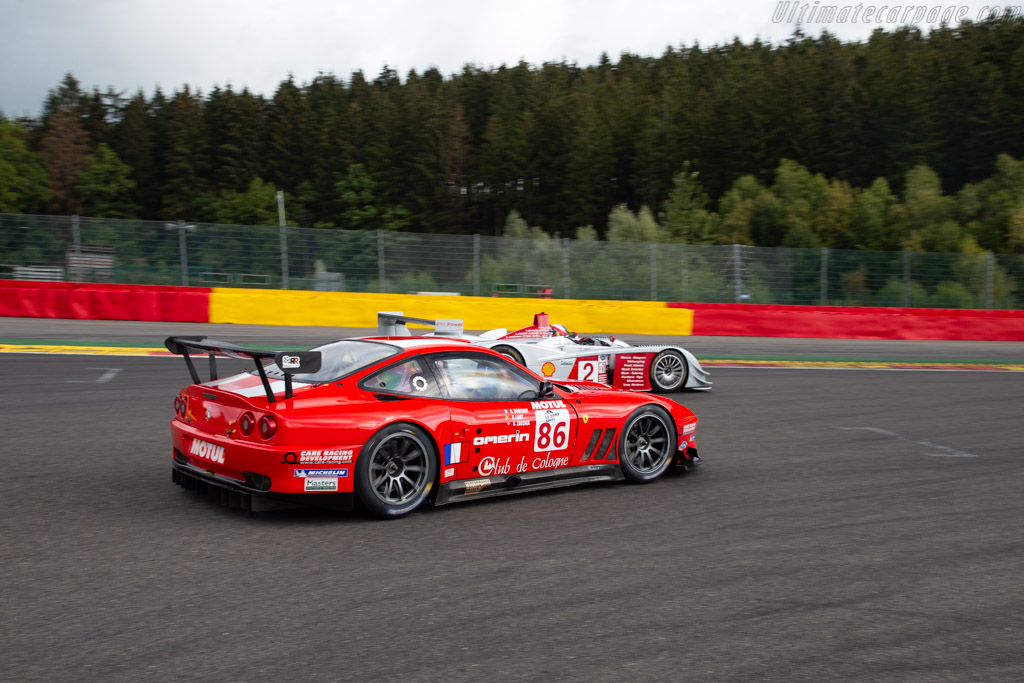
x: 84, y: 249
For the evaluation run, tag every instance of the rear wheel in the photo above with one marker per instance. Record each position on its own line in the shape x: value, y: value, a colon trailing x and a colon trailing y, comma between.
x: 395, y: 471
x: 647, y: 445
x: 669, y: 372
x: 509, y: 352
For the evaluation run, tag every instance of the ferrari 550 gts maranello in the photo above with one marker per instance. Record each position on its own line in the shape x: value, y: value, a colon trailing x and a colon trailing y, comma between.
x: 395, y: 423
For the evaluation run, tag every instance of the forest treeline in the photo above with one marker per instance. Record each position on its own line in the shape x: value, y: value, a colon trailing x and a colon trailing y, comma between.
x: 906, y: 140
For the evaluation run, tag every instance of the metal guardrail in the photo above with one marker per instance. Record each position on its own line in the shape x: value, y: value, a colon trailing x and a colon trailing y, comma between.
x: 150, y: 252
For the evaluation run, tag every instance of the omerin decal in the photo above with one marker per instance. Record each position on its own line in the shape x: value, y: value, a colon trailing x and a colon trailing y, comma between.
x: 207, y: 451
x: 501, y: 438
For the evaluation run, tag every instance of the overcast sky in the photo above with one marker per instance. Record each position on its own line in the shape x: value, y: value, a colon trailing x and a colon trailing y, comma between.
x: 132, y: 44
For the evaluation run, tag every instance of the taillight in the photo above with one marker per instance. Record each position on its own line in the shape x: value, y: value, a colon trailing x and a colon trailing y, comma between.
x: 268, y: 425
x: 177, y: 405
x: 180, y: 405
x: 246, y: 424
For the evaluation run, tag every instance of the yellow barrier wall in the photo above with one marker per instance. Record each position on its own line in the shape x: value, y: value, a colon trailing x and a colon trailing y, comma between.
x: 355, y: 309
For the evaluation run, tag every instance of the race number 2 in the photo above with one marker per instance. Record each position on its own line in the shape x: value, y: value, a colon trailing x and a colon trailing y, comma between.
x: 552, y: 433
x: 588, y: 371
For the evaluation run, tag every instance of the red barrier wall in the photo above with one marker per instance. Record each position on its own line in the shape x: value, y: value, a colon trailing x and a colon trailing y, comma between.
x: 838, y: 322
x: 88, y: 301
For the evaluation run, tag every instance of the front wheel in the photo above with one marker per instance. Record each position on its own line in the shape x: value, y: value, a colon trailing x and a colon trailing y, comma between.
x: 669, y: 372
x: 510, y: 352
x: 647, y: 444
x: 395, y: 470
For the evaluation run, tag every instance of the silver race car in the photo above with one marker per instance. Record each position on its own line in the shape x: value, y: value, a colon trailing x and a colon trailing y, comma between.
x: 554, y: 352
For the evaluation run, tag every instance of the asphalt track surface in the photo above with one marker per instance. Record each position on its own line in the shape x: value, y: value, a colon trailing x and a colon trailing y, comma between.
x: 808, y: 548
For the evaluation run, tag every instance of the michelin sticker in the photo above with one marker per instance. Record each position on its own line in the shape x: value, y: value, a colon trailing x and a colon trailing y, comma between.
x: 321, y: 473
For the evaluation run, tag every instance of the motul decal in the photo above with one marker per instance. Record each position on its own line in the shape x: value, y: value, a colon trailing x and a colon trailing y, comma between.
x: 553, y: 405
x: 207, y: 451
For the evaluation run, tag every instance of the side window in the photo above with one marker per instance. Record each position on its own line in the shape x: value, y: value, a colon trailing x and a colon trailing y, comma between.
x: 412, y: 378
x: 477, y: 377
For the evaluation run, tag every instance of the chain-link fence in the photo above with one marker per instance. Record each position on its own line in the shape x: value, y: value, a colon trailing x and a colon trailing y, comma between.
x: 151, y: 252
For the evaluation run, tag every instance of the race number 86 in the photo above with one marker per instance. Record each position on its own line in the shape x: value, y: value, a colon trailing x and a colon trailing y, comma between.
x: 552, y: 432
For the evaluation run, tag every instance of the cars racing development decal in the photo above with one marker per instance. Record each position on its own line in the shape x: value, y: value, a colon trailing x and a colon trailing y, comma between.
x: 320, y: 484
x: 326, y: 456
x: 207, y: 451
x: 321, y: 473
x: 455, y: 453
x: 552, y: 431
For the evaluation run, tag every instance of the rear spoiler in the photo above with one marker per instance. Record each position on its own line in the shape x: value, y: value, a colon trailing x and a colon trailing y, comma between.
x: 393, y: 324
x: 290, y: 362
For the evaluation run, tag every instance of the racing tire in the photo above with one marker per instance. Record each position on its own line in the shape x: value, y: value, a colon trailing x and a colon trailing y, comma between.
x: 395, y: 471
x: 647, y: 445
x: 669, y: 372
x: 509, y: 352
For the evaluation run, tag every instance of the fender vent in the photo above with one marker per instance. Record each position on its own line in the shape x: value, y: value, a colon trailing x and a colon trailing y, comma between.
x: 590, y: 446
x: 606, y: 443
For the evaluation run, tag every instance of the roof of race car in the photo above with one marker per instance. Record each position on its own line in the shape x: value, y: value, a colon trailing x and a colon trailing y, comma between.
x: 416, y: 342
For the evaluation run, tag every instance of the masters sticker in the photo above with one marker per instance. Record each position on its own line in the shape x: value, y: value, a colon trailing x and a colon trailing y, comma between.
x: 320, y: 484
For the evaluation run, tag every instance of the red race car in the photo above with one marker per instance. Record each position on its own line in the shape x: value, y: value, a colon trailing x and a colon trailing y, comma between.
x: 399, y: 422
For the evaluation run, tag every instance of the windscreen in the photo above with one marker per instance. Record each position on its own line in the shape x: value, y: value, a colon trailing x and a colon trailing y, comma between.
x: 340, y: 358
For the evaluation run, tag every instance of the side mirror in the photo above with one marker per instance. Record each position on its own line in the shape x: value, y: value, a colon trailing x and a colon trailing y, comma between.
x: 547, y: 389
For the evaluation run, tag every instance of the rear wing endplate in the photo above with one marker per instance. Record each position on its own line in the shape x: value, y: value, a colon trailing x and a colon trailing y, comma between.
x: 393, y: 324
x: 290, y: 362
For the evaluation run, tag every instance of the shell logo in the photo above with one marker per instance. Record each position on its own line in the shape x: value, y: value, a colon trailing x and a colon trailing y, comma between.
x: 548, y: 369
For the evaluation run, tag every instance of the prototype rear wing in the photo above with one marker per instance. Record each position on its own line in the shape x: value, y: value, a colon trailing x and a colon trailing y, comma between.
x: 290, y: 362
x: 393, y: 324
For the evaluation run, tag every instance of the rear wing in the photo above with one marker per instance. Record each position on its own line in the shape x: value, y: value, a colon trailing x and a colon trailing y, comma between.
x: 290, y: 362
x: 393, y: 324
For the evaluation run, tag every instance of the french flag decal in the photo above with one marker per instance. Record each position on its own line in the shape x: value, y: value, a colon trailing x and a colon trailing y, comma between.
x: 455, y: 452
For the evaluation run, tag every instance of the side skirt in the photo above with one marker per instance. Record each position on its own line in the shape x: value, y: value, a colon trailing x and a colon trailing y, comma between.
x: 503, y: 485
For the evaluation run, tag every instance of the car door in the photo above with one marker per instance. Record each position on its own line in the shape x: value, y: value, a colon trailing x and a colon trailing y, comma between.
x: 499, y: 425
